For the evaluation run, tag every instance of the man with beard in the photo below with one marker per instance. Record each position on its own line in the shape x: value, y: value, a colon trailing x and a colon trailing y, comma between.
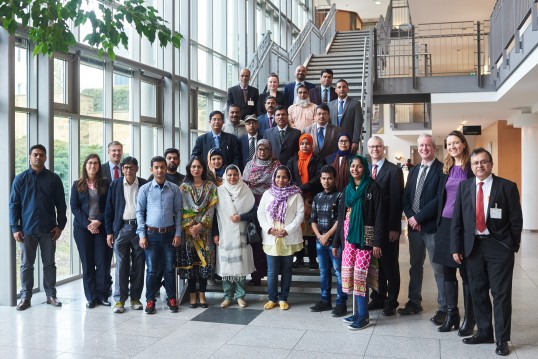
x: 267, y: 120
x: 172, y: 164
x: 235, y: 125
x: 301, y: 115
x: 290, y: 91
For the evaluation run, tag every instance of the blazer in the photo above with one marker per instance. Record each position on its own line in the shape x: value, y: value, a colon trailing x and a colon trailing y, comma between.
x: 330, y: 142
x: 263, y: 123
x: 507, y: 229
x: 373, y: 215
x: 289, y: 146
x: 243, y: 142
x: 315, y: 95
x: 442, y: 191
x: 105, y: 169
x: 115, y: 205
x: 429, y: 199
x: 314, y: 171
x: 352, y: 118
x: 390, y: 179
x: 289, y: 91
x: 228, y: 143
x: 292, y: 221
x: 280, y: 100
x: 235, y: 97
x: 80, y: 206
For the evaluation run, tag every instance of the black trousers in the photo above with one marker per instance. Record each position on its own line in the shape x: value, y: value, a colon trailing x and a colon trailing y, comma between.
x: 389, y: 274
x: 490, y: 267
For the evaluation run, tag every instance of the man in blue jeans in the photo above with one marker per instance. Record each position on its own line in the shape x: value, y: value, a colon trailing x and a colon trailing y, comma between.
x: 324, y: 223
x: 158, y: 213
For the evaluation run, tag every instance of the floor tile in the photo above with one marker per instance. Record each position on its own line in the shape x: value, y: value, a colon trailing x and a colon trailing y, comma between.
x: 241, y: 316
x: 403, y: 347
x: 239, y: 352
x: 301, y: 354
x: 266, y: 337
x: 350, y: 342
x: 26, y: 353
x: 114, y: 344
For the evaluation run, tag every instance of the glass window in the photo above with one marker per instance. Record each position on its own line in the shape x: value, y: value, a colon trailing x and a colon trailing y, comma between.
x: 203, y: 113
x: 21, y: 164
x: 122, y: 133
x: 91, y: 139
x: 202, y: 25
x: 62, y: 168
x: 147, y: 149
x: 91, y: 90
x: 219, y: 67
x: 91, y: 5
x: 121, y: 102
x: 148, y: 99
x: 21, y: 77
x: 202, y: 66
x: 232, y: 36
x: 219, y: 26
x: 60, y: 70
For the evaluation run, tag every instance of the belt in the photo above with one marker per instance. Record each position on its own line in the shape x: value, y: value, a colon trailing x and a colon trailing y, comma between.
x: 129, y: 222
x: 162, y: 229
x: 482, y: 236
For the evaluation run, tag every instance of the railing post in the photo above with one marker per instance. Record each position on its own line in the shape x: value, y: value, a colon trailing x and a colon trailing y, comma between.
x: 413, y: 60
x: 478, y: 52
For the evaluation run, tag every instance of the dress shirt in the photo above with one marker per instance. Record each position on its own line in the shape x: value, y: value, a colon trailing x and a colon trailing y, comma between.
x: 486, y: 189
x: 323, y: 93
x: 158, y: 207
x: 37, y: 202
x: 255, y: 139
x: 130, y: 191
x: 379, y: 164
x: 111, y: 165
x: 216, y: 138
x: 429, y: 164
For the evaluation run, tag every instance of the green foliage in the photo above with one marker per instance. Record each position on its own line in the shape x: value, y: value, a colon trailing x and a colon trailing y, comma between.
x: 48, y: 24
x: 120, y: 98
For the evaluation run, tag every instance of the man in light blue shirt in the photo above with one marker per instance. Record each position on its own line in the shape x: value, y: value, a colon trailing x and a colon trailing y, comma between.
x: 158, y: 213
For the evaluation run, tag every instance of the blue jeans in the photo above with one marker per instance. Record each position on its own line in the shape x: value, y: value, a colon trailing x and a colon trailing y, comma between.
x: 325, y: 257
x: 362, y: 304
x: 279, y: 265
x: 160, y: 254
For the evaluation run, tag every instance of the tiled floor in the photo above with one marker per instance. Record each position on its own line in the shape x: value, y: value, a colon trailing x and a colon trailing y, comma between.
x: 75, y: 332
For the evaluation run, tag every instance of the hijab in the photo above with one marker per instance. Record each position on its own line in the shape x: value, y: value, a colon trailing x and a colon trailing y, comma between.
x: 342, y: 167
x: 353, y: 200
x: 237, y: 195
x: 278, y: 206
x: 215, y: 151
x: 258, y: 173
x: 304, y: 158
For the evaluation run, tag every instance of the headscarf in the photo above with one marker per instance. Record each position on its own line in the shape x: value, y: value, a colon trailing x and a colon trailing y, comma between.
x: 304, y: 158
x: 342, y: 169
x: 278, y: 206
x: 258, y: 173
x: 239, y: 193
x: 215, y: 151
x: 354, y: 201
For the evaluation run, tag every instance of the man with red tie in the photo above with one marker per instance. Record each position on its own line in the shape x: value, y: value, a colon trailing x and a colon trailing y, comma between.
x: 486, y: 230
x: 112, y: 168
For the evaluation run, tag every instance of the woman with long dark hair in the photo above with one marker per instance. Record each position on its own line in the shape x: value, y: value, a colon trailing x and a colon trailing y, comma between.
x: 88, y: 201
x: 340, y: 161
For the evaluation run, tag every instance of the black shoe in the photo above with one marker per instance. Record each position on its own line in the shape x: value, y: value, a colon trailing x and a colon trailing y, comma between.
x: 52, y: 300
x: 376, y: 304
x: 388, y: 310
x: 314, y: 265
x: 339, y: 310
x: 204, y: 305
x: 502, y: 348
x: 24, y: 304
x: 439, y: 317
x: 410, y: 308
x: 475, y: 339
x: 321, y: 306
x: 90, y: 304
x: 104, y: 302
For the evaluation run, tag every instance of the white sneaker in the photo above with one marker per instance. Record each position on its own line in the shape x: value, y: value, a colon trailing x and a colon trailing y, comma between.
x: 225, y: 303
x: 242, y: 302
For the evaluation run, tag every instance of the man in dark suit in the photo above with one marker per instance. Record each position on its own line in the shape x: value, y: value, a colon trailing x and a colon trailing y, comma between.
x: 228, y: 143
x: 486, y: 230
x: 284, y: 139
x: 390, y: 178
x: 120, y: 226
x: 267, y: 120
x: 249, y: 141
x: 290, y: 90
x: 243, y: 95
x: 324, y: 93
x: 112, y: 168
x: 323, y: 133
x: 346, y: 113
x: 420, y: 201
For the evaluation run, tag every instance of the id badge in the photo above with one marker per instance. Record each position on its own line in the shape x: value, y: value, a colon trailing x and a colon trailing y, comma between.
x: 250, y: 103
x: 496, y: 213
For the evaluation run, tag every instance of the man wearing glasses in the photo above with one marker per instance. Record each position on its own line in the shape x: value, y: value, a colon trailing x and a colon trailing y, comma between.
x: 486, y: 230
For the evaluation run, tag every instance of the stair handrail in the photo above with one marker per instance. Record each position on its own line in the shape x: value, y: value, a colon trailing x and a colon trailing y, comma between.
x: 261, y: 52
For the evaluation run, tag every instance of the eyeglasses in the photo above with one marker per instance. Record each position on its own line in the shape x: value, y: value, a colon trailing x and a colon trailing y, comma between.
x: 375, y: 146
x: 129, y: 168
x: 343, y: 141
x: 261, y: 149
x: 481, y: 163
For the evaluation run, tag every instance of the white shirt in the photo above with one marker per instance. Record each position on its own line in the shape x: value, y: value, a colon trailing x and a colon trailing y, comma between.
x: 255, y: 137
x: 486, y: 189
x: 379, y: 165
x: 130, y: 192
x: 429, y: 164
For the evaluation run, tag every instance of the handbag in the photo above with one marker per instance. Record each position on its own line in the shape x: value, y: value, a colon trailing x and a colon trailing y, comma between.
x: 252, y: 234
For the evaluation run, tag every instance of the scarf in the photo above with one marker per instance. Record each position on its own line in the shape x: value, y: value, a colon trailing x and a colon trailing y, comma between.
x: 342, y: 169
x: 354, y: 201
x: 304, y: 158
x: 239, y: 194
x: 258, y: 173
x: 218, y: 172
x: 278, y: 206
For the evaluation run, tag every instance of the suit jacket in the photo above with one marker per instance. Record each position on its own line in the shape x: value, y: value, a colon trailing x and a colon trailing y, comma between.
x: 280, y: 100
x: 507, y: 229
x: 105, y: 169
x: 115, y: 205
x: 235, y: 97
x: 229, y: 144
x: 243, y: 142
x: 315, y: 95
x: 429, y: 199
x: 330, y: 142
x: 390, y: 179
x: 352, y: 119
x: 289, y: 146
x: 263, y: 123
x: 289, y: 91
x: 80, y: 207
x: 314, y: 171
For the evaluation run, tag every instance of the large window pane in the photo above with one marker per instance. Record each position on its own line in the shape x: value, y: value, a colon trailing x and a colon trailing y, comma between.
x: 21, y: 164
x: 121, y: 103
x: 232, y: 43
x: 91, y: 90
x: 91, y: 139
x: 147, y: 149
x: 60, y: 69
x: 148, y: 99
x: 202, y: 66
x: 203, y: 112
x: 200, y: 27
x: 21, y: 77
x: 62, y: 168
x: 122, y: 133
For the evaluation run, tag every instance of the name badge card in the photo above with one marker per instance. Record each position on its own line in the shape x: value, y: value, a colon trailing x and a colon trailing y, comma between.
x: 496, y: 213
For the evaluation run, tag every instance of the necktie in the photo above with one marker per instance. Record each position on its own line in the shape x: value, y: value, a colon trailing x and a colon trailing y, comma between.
x: 216, y: 139
x: 251, y: 148
x: 374, y: 171
x: 245, y: 95
x: 321, y: 137
x: 271, y: 122
x: 340, y: 111
x: 116, y: 172
x: 480, y: 217
x: 420, y: 186
x: 325, y: 96
x: 282, y: 133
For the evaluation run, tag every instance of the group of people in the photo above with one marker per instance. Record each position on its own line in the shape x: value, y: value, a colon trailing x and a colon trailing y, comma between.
x: 291, y: 184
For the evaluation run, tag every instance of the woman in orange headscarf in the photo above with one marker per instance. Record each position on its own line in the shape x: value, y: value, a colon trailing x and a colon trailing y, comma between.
x: 305, y: 169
